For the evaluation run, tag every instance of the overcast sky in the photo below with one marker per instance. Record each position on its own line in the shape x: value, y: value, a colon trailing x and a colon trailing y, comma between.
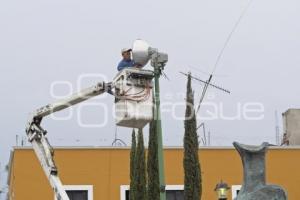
x: 42, y: 42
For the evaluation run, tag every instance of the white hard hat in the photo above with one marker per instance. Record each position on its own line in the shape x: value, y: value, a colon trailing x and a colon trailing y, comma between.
x: 125, y: 50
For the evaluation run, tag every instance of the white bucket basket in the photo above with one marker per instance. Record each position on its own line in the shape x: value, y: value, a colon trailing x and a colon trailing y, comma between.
x: 133, y: 89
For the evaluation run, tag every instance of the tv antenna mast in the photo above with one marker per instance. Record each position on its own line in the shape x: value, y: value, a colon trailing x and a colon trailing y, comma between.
x: 207, y: 83
x: 277, y: 134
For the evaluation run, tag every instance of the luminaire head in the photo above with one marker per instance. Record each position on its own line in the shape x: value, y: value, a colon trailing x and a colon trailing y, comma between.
x: 142, y: 53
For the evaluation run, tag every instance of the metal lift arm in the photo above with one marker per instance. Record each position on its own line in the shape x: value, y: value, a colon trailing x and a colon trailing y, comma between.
x: 141, y: 53
x: 37, y: 135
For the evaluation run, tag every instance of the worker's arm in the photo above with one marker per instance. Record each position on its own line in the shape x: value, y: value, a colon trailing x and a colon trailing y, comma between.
x: 121, y: 65
x: 138, y: 65
x: 124, y: 64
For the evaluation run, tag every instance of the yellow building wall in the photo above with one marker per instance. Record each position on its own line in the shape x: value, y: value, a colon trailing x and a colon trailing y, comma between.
x: 107, y: 169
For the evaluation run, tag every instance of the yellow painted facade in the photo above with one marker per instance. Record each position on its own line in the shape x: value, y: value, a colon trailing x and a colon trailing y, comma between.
x: 106, y: 169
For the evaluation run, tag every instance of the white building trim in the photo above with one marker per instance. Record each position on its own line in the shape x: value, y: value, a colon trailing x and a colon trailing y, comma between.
x: 124, y: 188
x: 88, y: 188
x: 234, y: 189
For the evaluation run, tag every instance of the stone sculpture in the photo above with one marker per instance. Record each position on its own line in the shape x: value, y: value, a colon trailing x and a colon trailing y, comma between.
x: 254, y: 186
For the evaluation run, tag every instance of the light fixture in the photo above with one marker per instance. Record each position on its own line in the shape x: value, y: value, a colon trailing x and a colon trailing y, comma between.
x: 222, y: 190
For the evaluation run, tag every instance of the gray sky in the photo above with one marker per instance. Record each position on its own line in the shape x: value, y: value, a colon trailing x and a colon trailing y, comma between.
x: 60, y: 40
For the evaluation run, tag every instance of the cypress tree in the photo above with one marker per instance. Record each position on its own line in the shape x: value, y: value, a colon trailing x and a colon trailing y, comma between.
x: 153, y: 189
x: 132, y: 166
x: 140, y: 166
x: 191, y: 164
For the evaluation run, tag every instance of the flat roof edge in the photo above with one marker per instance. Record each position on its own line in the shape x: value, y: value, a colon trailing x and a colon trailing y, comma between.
x: 166, y: 147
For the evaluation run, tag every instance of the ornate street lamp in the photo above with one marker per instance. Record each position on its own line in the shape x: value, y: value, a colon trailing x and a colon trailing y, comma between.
x: 222, y: 190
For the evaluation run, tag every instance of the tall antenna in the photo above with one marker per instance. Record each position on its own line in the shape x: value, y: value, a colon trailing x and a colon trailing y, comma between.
x: 207, y: 83
x: 277, y: 134
x: 17, y: 140
x: 230, y: 35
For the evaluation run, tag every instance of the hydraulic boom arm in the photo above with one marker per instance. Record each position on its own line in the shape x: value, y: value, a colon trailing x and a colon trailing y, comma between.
x: 37, y: 135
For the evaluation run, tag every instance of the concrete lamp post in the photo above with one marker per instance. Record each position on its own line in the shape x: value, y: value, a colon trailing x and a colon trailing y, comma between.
x: 222, y: 190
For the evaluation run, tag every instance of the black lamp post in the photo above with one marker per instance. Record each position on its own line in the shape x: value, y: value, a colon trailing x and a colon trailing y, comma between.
x: 222, y: 190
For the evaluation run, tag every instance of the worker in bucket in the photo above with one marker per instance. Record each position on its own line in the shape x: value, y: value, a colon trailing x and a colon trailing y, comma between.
x: 126, y: 61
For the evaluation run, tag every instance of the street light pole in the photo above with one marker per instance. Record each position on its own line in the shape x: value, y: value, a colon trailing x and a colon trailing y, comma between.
x: 157, y: 118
